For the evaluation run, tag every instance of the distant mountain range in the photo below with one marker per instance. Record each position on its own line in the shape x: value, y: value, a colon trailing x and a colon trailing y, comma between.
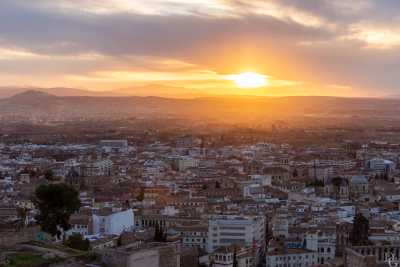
x: 6, y: 92
x: 148, y: 90
x: 41, y: 104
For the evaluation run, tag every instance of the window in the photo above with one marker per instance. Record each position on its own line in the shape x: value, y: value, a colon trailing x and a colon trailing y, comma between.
x: 232, y: 228
x: 232, y: 234
x: 228, y: 240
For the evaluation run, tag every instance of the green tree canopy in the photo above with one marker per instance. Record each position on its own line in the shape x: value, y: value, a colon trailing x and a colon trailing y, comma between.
x: 49, y: 175
x: 56, y: 203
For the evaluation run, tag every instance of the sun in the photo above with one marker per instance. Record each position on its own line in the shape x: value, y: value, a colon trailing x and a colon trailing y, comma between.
x: 248, y: 79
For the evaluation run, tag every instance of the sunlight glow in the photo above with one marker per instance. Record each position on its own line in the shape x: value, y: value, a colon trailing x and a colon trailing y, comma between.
x: 248, y: 79
x: 375, y: 37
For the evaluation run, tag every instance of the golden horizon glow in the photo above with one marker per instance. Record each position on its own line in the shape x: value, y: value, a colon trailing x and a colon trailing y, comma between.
x: 248, y: 79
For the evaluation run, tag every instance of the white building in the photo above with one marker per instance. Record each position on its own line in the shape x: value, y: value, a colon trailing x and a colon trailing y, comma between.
x: 263, y: 180
x: 154, y: 169
x: 322, y: 241
x: 186, y: 163
x: 246, y: 231
x: 225, y: 257
x: 114, y: 145
x: 113, y: 223
x: 385, y: 237
x: 380, y: 165
x: 320, y: 173
x: 280, y: 223
x: 193, y: 235
x: 98, y: 168
x: 80, y: 224
x: 291, y: 257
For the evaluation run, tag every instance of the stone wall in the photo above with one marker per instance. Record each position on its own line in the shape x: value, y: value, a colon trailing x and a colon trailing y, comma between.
x: 113, y: 257
x: 150, y: 255
x: 169, y: 256
x: 9, y: 239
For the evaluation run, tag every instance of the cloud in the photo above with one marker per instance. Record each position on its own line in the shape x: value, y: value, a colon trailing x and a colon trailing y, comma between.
x: 319, y: 42
x: 375, y: 36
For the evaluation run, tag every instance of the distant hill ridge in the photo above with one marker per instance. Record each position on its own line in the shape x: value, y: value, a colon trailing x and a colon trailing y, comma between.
x: 148, y: 90
x: 42, y: 104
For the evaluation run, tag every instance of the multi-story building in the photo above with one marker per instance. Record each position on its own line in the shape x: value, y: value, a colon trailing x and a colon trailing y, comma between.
x: 320, y: 173
x: 380, y: 165
x: 263, y: 180
x: 233, y: 256
x: 359, y: 185
x: 193, y: 235
x: 322, y: 241
x: 291, y: 257
x: 114, y: 145
x: 246, y: 231
x: 280, y: 223
x: 97, y: 168
x: 184, y: 163
x: 113, y: 223
x: 80, y: 224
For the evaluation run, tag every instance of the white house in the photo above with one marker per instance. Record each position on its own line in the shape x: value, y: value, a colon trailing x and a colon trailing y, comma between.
x: 113, y: 223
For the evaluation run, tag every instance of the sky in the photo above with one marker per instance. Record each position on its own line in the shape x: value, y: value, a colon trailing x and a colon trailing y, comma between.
x: 300, y: 47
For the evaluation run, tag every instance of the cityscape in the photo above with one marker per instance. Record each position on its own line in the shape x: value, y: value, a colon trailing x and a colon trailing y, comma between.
x: 214, y: 133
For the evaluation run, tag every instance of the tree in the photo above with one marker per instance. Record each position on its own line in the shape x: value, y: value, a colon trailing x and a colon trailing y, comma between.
x: 159, y: 234
x: 49, y: 175
x: 386, y: 176
x: 304, y: 243
x: 337, y: 181
x: 56, y: 203
x: 359, y: 234
x: 235, y: 261
x: 76, y: 241
x: 316, y: 183
x: 22, y: 214
x: 156, y: 232
x: 140, y: 197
